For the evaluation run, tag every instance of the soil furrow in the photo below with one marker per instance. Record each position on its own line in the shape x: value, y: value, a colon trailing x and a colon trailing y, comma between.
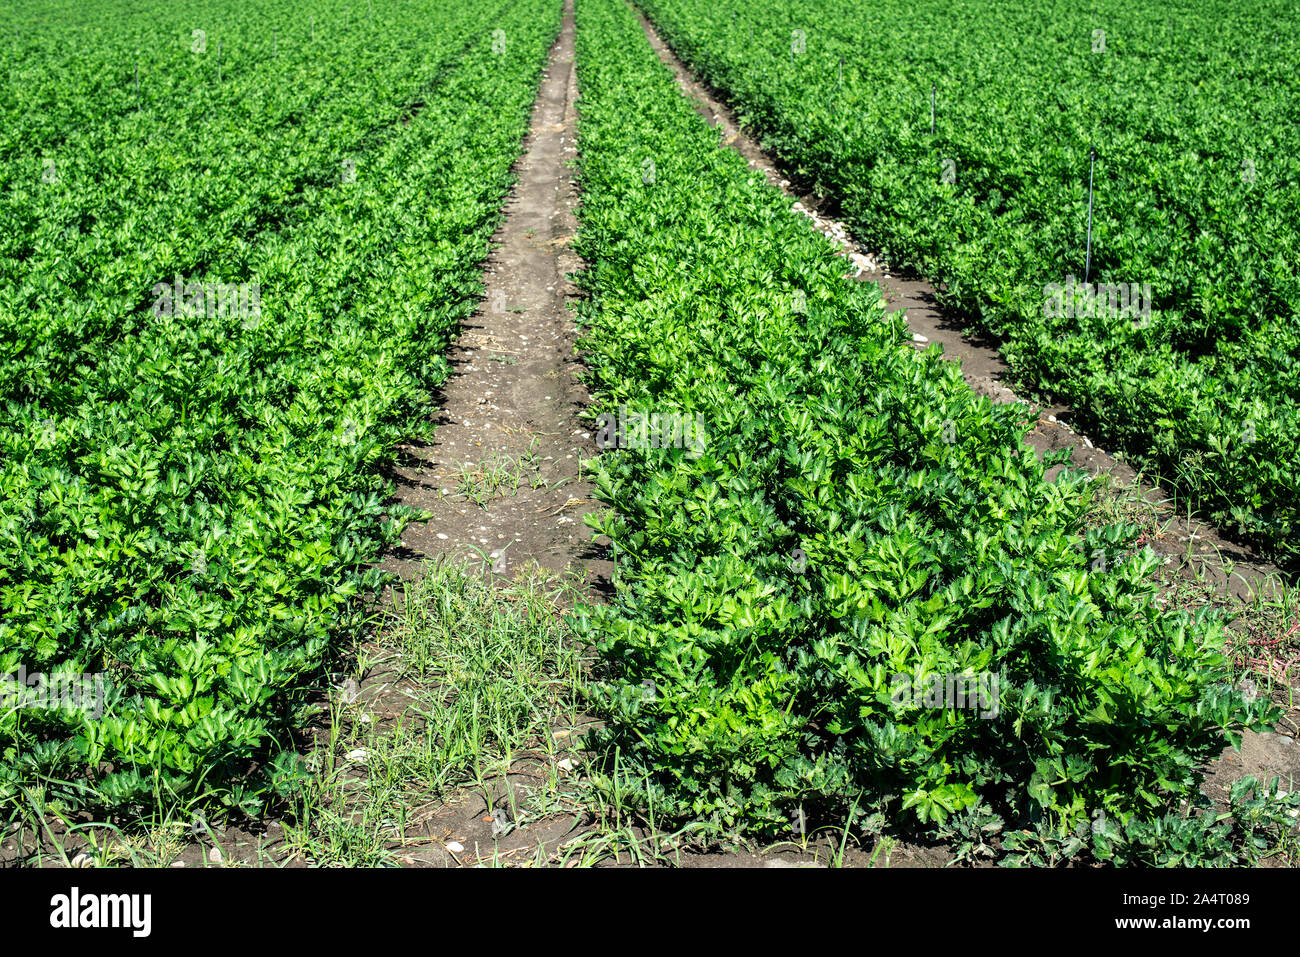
x: 502, y: 474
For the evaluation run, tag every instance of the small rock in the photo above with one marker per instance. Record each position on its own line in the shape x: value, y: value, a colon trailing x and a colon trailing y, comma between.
x: 215, y: 856
x: 455, y: 847
x: 500, y: 822
x: 917, y: 337
x: 358, y: 754
x: 82, y: 860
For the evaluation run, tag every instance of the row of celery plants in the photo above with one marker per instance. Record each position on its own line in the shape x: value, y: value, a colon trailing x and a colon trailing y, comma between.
x: 124, y: 207
x: 197, y: 516
x: 852, y: 521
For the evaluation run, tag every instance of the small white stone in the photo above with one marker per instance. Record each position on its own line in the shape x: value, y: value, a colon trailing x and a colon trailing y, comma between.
x: 500, y: 822
x: 440, y: 535
x: 358, y: 754
x: 350, y: 690
x: 454, y: 846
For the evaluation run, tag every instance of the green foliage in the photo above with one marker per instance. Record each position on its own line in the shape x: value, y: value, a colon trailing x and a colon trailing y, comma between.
x: 1193, y: 112
x: 1257, y: 813
x: 193, y: 504
x: 856, y: 514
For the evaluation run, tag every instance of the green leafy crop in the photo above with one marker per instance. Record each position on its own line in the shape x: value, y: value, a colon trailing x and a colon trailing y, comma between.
x: 856, y: 518
x: 190, y: 498
x: 1193, y: 113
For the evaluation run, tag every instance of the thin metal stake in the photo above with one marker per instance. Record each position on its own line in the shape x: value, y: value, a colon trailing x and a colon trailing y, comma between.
x: 219, y: 42
x: 841, y: 73
x: 932, y: 88
x: 1087, y: 261
x: 137, y: 77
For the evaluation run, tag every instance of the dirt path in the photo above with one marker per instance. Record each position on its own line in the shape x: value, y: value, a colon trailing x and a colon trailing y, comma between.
x: 1194, y: 551
x: 502, y: 476
x: 502, y: 473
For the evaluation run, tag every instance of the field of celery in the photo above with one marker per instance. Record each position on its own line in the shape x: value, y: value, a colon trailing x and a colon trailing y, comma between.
x: 236, y: 240
x: 1193, y: 113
